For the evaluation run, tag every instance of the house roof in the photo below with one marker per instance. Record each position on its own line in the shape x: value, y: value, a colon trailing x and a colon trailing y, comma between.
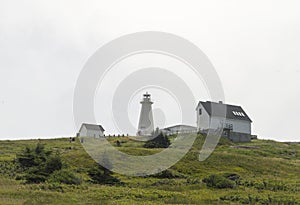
x: 232, y: 111
x: 92, y: 127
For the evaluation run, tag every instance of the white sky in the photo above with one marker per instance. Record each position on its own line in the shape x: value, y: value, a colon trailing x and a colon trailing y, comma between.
x: 254, y: 46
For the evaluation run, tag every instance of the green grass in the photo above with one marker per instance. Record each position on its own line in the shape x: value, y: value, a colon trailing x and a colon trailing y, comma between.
x: 269, y: 175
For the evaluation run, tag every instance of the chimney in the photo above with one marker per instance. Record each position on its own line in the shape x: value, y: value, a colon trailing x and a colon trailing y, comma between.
x: 221, y: 102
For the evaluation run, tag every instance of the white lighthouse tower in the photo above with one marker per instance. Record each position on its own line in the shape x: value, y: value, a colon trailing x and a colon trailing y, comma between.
x: 146, y: 126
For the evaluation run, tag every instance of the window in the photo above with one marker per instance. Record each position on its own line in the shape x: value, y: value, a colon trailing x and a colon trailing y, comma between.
x: 228, y: 126
x: 200, y: 111
x: 236, y: 113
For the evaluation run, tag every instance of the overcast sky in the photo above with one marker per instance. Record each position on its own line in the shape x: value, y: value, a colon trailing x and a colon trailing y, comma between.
x: 254, y: 46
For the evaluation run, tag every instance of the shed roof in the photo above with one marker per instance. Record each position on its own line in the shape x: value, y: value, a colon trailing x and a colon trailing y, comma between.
x: 92, y: 127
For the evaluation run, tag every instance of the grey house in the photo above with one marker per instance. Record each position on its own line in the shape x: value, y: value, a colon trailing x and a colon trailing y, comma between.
x: 91, y: 130
x: 236, y: 125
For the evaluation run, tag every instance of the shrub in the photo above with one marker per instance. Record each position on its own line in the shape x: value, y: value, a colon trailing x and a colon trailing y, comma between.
x: 192, y: 180
x: 225, y: 141
x: 218, y: 181
x: 53, y: 163
x: 167, y: 174
x: 64, y: 176
x: 35, y: 175
x: 232, y: 176
x: 101, y: 175
x: 9, y: 168
x: 55, y: 187
x: 37, y: 164
x: 26, y: 159
x: 160, y: 141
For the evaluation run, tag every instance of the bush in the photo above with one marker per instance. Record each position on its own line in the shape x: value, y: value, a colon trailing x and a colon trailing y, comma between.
x: 37, y: 164
x: 34, y: 175
x: 225, y: 141
x: 160, y: 141
x: 64, y: 176
x: 101, y: 175
x: 192, y: 180
x: 232, y: 176
x: 54, y: 187
x: 26, y: 159
x: 167, y: 174
x: 9, y: 168
x: 53, y: 163
x: 218, y: 181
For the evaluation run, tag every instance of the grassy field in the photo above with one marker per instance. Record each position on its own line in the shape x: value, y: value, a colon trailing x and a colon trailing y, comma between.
x: 269, y: 174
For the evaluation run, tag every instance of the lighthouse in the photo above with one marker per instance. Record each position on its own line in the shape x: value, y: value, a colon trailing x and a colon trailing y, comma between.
x: 146, y: 126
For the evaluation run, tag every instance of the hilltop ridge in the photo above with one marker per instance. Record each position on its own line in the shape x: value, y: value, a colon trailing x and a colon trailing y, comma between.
x: 266, y: 171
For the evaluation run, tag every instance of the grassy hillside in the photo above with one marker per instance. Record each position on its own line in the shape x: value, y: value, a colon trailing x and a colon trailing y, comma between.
x: 268, y: 170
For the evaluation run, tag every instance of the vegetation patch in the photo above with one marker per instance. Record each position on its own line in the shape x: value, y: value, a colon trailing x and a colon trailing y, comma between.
x: 101, y: 175
x: 221, y: 181
x: 57, y: 171
x: 168, y: 174
x: 38, y: 164
x: 64, y: 176
x: 159, y: 141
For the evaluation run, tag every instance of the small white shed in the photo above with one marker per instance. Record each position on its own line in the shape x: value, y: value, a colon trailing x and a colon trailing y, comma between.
x: 91, y: 130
